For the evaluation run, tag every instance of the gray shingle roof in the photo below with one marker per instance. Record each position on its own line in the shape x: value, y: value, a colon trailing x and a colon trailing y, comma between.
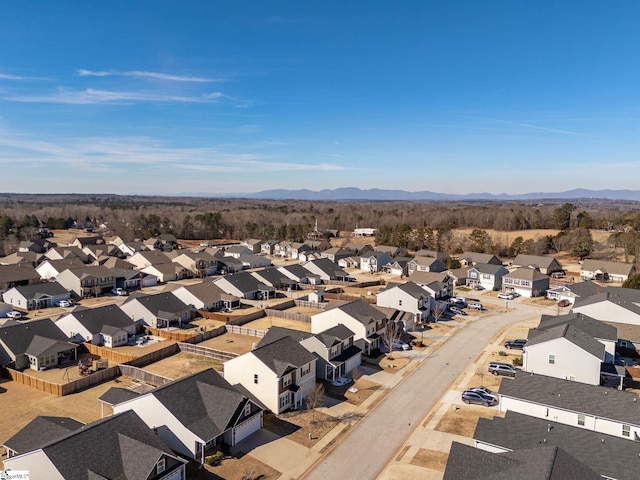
x: 615, y: 268
x: 116, y: 395
x: 161, y: 302
x: 603, y: 402
x: 608, y: 455
x: 119, y: 447
x: 539, y: 261
x: 41, y: 430
x: 205, y: 403
x: 540, y: 463
x: 278, y: 333
x: 526, y: 273
x: 283, y: 355
x: 329, y: 267
x: 571, y: 333
x: 41, y: 289
x: 585, y: 289
x: 489, y: 269
x: 628, y: 298
x: 588, y: 325
x: 334, y: 335
x: 363, y: 312
x: 95, y: 319
x: 18, y: 338
x: 245, y: 282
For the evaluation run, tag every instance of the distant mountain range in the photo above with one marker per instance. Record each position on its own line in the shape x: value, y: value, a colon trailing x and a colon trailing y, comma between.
x: 402, y: 195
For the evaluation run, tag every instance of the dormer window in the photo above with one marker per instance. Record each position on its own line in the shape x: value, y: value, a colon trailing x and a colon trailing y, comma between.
x: 247, y: 409
x: 160, y: 466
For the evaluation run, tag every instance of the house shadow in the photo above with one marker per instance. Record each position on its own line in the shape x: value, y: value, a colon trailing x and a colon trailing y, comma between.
x: 279, y: 425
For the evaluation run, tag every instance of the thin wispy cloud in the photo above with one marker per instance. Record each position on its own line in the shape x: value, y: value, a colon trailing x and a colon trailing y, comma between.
x: 537, y: 127
x: 9, y: 76
x: 145, y: 74
x: 91, y: 96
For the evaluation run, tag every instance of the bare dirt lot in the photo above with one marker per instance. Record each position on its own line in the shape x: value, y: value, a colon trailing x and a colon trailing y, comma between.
x: 297, y: 425
x: 232, y: 342
x: 265, y: 323
x: 20, y: 404
x: 365, y: 389
x: 237, y: 467
x: 183, y: 364
x: 463, y: 421
x: 430, y: 459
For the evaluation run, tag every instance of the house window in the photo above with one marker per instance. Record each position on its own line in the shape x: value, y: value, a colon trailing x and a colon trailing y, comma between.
x: 160, y: 466
x: 400, y: 303
x: 581, y: 420
x: 286, y: 381
x: 247, y: 409
x: 305, y: 370
x: 626, y: 431
x: 284, y: 400
x: 552, y: 359
x: 255, y: 378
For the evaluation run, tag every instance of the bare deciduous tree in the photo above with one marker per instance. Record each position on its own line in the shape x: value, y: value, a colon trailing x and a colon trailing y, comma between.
x: 438, y: 310
x: 314, y: 399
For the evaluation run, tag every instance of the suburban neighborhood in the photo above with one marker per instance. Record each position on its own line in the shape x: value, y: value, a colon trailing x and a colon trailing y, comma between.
x: 226, y: 362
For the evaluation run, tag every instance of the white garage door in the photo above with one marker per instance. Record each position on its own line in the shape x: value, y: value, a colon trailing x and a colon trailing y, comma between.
x: 246, y: 428
x: 177, y: 475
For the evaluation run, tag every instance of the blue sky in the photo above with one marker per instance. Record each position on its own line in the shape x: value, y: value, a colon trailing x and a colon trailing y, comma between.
x: 242, y: 96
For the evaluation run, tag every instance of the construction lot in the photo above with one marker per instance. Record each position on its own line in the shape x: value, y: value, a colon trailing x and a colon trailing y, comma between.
x: 265, y: 323
x: 183, y: 364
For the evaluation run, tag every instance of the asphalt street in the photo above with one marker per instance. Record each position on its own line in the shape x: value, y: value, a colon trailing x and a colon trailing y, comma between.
x: 374, y: 441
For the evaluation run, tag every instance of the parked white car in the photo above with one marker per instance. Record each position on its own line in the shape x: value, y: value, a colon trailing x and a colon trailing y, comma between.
x: 121, y: 292
x: 65, y: 303
x: 15, y: 315
x: 506, y: 296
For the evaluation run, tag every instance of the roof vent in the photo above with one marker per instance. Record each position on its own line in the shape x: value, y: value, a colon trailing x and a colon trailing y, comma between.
x: 544, y: 440
x: 603, y: 440
x: 606, y: 393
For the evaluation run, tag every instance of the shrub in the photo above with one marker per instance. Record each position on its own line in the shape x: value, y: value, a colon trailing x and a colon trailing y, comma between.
x: 517, y: 362
x: 502, y: 353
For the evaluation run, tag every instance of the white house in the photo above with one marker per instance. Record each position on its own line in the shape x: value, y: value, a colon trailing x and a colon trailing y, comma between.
x: 365, y: 321
x: 544, y: 264
x: 572, y: 291
x: 206, y: 296
x: 158, y: 311
x: 107, y: 325
x: 618, y: 305
x: 425, y: 264
x: 601, y: 409
x: 527, y: 282
x: 606, y: 271
x: 407, y: 297
x: 486, y: 275
x: 374, y: 261
x: 40, y: 295
x: 196, y: 413
x: 279, y: 374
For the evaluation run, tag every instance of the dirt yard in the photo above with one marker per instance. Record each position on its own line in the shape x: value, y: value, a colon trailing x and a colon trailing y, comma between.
x: 393, y: 363
x: 232, y: 342
x: 431, y: 459
x: 21, y: 404
x: 365, y: 390
x: 183, y: 364
x: 463, y: 421
x: 298, y: 424
x: 236, y: 468
x: 265, y: 323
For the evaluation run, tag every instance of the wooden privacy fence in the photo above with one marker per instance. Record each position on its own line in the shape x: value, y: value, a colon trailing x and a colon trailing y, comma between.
x: 154, y: 356
x: 349, y: 298
x: 207, y: 352
x: 65, y: 388
x: 173, y: 335
x: 206, y: 335
x: 307, y: 304
x: 299, y: 317
x: 109, y: 353
x: 144, y: 376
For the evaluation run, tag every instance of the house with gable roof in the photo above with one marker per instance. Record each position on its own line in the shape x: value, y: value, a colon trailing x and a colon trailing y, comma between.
x: 88, y: 281
x: 19, y: 274
x: 544, y: 264
x: 40, y: 431
x: 527, y: 282
x: 606, y: 271
x: 197, y: 413
x: 160, y: 310
x: 407, y: 297
x: 206, y: 296
x: 438, y: 284
x: 40, y: 295
x: 374, y: 261
x: 425, y: 264
x: 300, y: 274
x: 35, y: 345
x: 106, y: 325
x: 468, y: 259
x: 608, y: 455
x: 279, y: 374
x: 615, y: 305
x: 334, y: 349
x: 572, y: 291
x: 121, y: 446
x: 245, y: 285
x: 571, y: 347
x: 200, y: 264
x: 326, y: 269
x: 273, y: 277
x: 601, y: 409
x: 367, y: 322
x: 486, y: 275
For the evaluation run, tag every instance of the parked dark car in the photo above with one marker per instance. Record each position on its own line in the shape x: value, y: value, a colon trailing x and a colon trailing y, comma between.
x: 515, y: 344
x: 478, y: 398
x: 484, y: 390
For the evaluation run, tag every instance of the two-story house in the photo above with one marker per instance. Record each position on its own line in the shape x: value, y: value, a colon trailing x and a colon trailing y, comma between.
x: 158, y: 311
x: 107, y: 325
x: 407, y: 297
x: 546, y: 265
x: 425, y: 264
x: 527, y: 282
x: 373, y: 262
x: 486, y: 275
x: 90, y: 281
x: 279, y: 374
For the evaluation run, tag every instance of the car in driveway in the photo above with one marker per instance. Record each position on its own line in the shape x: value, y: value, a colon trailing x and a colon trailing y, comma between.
x: 475, y: 305
x: 65, y: 303
x: 517, y: 344
x: 506, y: 296
x: 564, y: 303
x: 478, y: 398
x: 341, y: 382
x: 484, y: 390
x: 504, y: 369
x: 120, y: 292
x: 15, y: 315
x: 457, y: 310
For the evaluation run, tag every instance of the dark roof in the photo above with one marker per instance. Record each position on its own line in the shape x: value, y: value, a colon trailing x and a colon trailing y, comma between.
x: 585, y: 289
x: 628, y: 298
x: 119, y: 447
x: 602, y: 402
x: 205, y: 291
x: 278, y: 333
x: 608, y: 455
x: 283, y: 354
x: 19, y: 338
x: 615, y: 268
x: 526, y: 273
x: 410, y: 288
x: 329, y: 267
x: 538, y: 463
x: 588, y: 325
x: 116, y: 395
x: 160, y: 302
x: 362, y: 311
x: 539, y: 261
x: 273, y: 276
x: 95, y: 319
x: 334, y: 335
x: 18, y: 273
x: 298, y: 271
x: 41, y: 289
x: 571, y: 333
x: 245, y: 282
x: 204, y: 402
x: 481, y: 257
x: 41, y: 430
x: 489, y: 268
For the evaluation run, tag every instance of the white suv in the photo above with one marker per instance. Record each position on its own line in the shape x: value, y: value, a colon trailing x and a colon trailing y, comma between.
x: 506, y: 296
x: 15, y: 315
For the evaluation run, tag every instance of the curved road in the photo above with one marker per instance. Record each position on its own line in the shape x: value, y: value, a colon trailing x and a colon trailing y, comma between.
x: 372, y: 443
